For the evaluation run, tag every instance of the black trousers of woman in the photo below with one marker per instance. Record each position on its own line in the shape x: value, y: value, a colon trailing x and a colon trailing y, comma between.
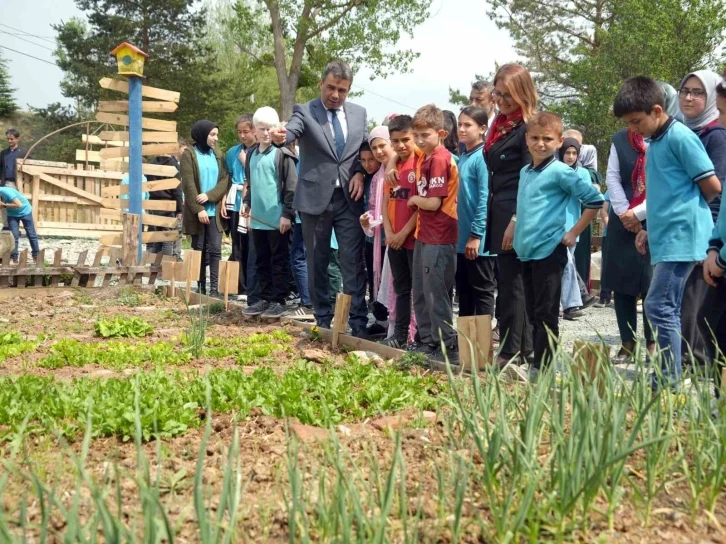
x: 693, y: 345
x: 712, y: 321
x: 515, y: 330
x: 240, y: 250
x: 626, y: 312
x: 210, y: 244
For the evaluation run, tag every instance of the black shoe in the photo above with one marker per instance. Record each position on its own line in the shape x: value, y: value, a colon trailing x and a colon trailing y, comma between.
x: 588, y: 301
x: 201, y: 290
x: 361, y: 333
x: 393, y: 342
x: 292, y: 299
x: 376, y: 330
x: 420, y: 347
x: 452, y: 354
x: 274, y: 311
x: 214, y: 293
x: 571, y: 314
x: 258, y: 308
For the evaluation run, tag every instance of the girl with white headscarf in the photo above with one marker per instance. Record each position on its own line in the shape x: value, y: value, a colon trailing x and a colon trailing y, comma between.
x: 697, y: 101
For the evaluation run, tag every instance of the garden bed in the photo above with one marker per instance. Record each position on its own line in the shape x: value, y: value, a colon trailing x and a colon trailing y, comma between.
x: 120, y: 420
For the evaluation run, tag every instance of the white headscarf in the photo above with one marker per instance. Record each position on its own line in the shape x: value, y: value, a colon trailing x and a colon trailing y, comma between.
x: 710, y: 81
x: 588, y: 156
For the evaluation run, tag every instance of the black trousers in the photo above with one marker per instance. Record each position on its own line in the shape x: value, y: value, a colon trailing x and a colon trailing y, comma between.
x: 626, y: 312
x: 210, y: 244
x: 380, y: 312
x: 401, y: 261
x: 712, y: 322
x: 515, y: 330
x: 240, y: 250
x: 543, y: 287
x: 272, y: 263
x: 317, y: 231
x: 476, y: 284
x: 693, y: 341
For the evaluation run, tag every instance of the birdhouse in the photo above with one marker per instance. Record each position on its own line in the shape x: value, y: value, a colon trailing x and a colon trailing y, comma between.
x: 130, y: 59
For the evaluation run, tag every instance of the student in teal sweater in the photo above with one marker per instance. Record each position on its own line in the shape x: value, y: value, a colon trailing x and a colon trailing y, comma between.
x: 541, y: 236
x: 475, y: 274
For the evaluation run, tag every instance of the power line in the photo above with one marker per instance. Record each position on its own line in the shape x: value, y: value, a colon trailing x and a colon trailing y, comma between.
x: 31, y: 56
x: 28, y: 33
x: 19, y: 37
x: 384, y: 97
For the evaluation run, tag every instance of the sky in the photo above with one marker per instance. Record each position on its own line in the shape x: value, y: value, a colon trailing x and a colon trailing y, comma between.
x: 444, y: 42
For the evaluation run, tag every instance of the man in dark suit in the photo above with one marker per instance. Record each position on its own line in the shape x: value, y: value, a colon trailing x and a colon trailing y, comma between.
x: 330, y: 132
x: 8, y: 165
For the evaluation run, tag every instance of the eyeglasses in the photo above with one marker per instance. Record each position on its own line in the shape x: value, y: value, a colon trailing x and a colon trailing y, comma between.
x: 496, y: 95
x: 696, y: 94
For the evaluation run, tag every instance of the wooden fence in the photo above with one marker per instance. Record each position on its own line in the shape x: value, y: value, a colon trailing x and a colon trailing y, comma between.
x: 67, y: 199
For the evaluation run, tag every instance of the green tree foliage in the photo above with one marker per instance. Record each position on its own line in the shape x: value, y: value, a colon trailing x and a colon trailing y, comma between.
x: 580, y: 51
x: 171, y: 32
x: 8, y: 106
x: 298, y: 37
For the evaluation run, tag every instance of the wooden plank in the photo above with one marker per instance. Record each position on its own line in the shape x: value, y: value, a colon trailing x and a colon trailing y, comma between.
x: 158, y: 236
x: 75, y: 233
x: 92, y: 139
x: 101, y: 174
x: 40, y: 265
x: 193, y: 268
x: 35, y: 162
x: 57, y: 260
x: 96, y: 264
x: 146, y: 219
x: 149, y: 92
x: 146, y: 169
x: 71, y: 226
x: 70, y: 188
x: 81, y: 262
x: 112, y: 260
x: 156, y: 205
x: 22, y: 264
x: 90, y: 156
x: 130, y: 244
x: 146, y: 137
x: 156, y: 267
x: 589, y: 362
x: 148, y: 149
x: 340, y: 317
x: 5, y: 263
x: 146, y: 122
x: 146, y: 107
x: 475, y: 341
x: 36, y: 198
x: 149, y: 186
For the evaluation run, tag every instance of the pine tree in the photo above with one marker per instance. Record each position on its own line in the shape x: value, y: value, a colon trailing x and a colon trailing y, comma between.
x: 8, y: 106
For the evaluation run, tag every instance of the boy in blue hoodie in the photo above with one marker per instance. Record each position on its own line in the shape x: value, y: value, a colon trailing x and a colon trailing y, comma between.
x: 541, y: 237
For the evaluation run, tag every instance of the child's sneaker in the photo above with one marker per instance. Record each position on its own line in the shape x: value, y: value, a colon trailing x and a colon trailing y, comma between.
x: 393, y: 342
x: 420, y: 347
x: 452, y: 354
x: 258, y: 308
x: 292, y: 299
x: 274, y: 311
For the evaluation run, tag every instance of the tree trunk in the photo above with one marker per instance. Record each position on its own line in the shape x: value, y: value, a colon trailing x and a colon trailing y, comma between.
x: 287, y: 100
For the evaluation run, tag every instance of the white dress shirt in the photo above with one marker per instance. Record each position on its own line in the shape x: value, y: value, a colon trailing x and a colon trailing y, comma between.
x: 340, y: 114
x: 618, y: 200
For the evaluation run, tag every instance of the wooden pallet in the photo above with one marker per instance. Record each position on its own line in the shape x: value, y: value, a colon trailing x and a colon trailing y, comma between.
x: 24, y: 274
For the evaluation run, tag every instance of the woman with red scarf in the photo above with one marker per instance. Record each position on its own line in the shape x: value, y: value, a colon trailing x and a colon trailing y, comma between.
x: 506, y: 153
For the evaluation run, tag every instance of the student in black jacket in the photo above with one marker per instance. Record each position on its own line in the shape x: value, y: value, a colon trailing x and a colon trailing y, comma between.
x: 8, y: 165
x: 506, y: 153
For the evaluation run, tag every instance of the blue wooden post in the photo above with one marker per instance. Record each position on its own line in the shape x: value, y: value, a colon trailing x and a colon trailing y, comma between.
x: 135, y: 175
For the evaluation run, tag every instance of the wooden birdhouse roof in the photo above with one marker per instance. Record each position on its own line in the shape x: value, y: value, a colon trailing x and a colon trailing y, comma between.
x: 133, y: 48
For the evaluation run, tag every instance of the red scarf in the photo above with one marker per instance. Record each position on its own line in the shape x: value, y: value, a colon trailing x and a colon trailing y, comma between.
x: 502, y: 126
x: 638, y: 177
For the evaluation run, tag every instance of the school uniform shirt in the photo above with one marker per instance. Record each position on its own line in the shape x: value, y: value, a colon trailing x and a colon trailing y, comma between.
x: 472, y: 198
x: 208, y: 174
x: 399, y: 212
x: 266, y: 204
x: 237, y: 172
x: 543, y: 198
x: 125, y: 181
x: 7, y: 195
x: 679, y: 219
x: 438, y: 178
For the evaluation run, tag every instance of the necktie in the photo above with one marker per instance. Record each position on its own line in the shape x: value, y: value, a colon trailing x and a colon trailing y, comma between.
x: 338, y: 133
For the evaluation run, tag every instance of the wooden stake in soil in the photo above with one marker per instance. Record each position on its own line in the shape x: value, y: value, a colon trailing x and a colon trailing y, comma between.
x: 475, y: 342
x: 193, y: 266
x: 340, y: 319
x: 39, y: 264
x: 229, y: 270
x: 22, y: 263
x: 130, y: 242
x: 589, y: 359
x: 57, y: 261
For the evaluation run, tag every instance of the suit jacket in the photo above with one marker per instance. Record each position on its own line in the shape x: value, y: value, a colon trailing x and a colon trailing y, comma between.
x: 319, y: 163
x: 21, y: 155
x: 505, y: 159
